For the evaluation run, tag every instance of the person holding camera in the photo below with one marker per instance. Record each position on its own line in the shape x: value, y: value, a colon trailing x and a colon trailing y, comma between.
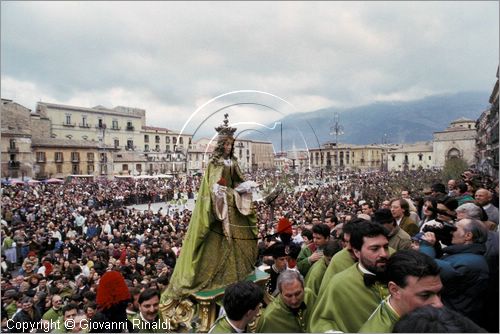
x: 464, y: 270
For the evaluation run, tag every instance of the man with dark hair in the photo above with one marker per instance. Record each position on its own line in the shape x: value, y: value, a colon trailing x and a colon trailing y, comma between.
x: 147, y: 320
x: 307, y: 236
x: 367, y: 208
x: 352, y: 295
x: 343, y: 259
x: 277, y: 251
x: 28, y: 313
x: 462, y: 194
x: 241, y: 302
x: 133, y: 304
x: 309, y: 255
x: 69, y: 313
x: 438, y: 190
x: 317, y: 271
x: 429, y: 319
x: 413, y: 281
x: 400, y: 210
x: 464, y: 269
x: 398, y: 238
x: 290, y: 311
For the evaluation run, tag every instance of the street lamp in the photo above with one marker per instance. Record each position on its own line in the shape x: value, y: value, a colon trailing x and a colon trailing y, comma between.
x: 337, y: 130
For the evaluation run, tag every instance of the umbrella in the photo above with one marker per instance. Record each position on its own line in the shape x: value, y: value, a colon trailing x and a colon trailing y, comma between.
x: 54, y: 180
x: 16, y: 182
x: 33, y: 182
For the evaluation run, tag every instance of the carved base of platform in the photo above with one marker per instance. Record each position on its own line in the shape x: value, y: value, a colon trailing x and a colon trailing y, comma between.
x: 179, y: 313
x: 200, y: 307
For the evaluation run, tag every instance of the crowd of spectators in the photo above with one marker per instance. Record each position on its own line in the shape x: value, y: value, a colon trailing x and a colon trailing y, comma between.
x: 58, y: 240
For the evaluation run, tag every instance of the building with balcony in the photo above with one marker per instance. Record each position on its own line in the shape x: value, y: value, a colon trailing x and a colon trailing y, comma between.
x: 119, y: 127
x: 59, y: 158
x: 348, y: 157
x: 16, y: 156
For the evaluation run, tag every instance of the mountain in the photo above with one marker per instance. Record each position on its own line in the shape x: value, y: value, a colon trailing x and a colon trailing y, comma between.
x: 402, y: 122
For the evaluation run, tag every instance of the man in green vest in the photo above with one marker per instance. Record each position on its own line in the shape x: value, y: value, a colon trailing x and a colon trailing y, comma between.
x: 9, y: 302
x: 291, y: 310
x: 311, y: 254
x: 55, y: 312
x: 413, y: 281
x: 241, y: 302
x: 353, y: 294
x: 315, y: 274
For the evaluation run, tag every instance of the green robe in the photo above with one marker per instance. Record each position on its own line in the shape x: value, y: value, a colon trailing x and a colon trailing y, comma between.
x: 223, y: 326
x: 209, y: 258
x: 340, y: 261
x: 278, y: 318
x: 303, y: 262
x: 315, y: 275
x: 382, y: 319
x: 346, y: 303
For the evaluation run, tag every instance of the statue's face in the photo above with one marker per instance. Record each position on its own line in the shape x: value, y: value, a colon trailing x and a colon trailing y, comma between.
x: 228, y: 145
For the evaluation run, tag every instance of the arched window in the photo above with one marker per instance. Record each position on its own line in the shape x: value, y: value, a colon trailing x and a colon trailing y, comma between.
x: 453, y: 153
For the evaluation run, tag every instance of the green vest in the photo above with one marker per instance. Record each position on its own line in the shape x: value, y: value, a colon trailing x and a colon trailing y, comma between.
x: 52, y: 314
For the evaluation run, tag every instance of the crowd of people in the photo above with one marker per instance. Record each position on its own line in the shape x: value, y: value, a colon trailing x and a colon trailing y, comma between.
x: 59, y: 241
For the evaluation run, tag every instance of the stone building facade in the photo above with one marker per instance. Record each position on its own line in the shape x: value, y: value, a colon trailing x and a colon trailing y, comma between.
x: 59, y: 158
x: 16, y: 135
x: 458, y: 140
x: 411, y: 157
x: 348, y: 157
x: 262, y: 155
x: 61, y: 140
x: 487, y: 136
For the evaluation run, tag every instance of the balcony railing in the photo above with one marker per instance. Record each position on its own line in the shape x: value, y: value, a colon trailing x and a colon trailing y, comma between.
x: 14, y: 164
x: 13, y: 150
x: 84, y: 125
x: 69, y: 124
x: 130, y: 128
x: 116, y: 128
x: 75, y: 159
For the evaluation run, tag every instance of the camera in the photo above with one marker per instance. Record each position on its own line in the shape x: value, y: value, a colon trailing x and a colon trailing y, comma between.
x: 443, y: 232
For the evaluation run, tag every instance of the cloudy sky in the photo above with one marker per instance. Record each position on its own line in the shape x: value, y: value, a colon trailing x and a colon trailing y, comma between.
x: 173, y: 58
